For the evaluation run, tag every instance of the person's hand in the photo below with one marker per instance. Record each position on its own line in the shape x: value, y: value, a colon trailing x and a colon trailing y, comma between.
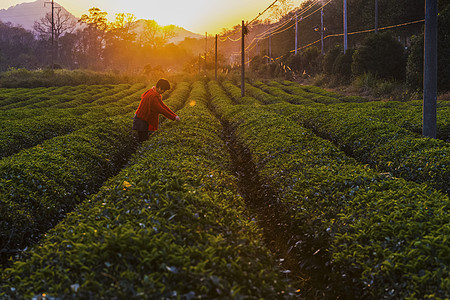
x: 177, y: 118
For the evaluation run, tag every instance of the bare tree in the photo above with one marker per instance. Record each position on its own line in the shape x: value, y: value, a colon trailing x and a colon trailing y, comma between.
x: 63, y: 23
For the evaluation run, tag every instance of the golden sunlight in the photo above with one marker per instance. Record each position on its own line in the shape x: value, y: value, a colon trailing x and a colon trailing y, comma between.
x: 198, y: 16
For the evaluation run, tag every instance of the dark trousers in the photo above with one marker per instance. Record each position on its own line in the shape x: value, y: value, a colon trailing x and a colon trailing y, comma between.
x: 143, y: 135
x: 142, y: 129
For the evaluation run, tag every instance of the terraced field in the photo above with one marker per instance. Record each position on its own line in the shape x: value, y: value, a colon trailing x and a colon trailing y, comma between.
x: 291, y: 192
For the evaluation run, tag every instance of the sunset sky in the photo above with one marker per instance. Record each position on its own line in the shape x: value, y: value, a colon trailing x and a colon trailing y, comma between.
x: 199, y: 16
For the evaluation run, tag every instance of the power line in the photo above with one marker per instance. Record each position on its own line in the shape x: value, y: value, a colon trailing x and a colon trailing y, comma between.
x: 271, y: 32
x: 260, y: 14
x: 362, y: 31
x: 254, y: 19
x: 350, y: 33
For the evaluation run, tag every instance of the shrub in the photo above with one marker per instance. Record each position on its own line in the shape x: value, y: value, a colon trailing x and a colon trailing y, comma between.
x: 343, y: 65
x: 382, y: 55
x: 414, y: 66
x: 330, y: 59
x: 312, y: 60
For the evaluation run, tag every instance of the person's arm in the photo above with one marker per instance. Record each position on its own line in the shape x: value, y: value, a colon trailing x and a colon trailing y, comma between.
x: 166, y: 111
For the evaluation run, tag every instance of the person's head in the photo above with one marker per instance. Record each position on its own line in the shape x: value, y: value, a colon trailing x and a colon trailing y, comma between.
x: 162, y: 85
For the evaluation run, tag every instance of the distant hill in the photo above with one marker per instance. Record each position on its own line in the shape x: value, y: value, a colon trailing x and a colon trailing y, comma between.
x: 25, y: 14
x: 180, y: 32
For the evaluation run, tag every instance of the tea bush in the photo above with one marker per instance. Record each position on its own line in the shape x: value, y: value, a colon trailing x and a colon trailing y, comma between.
x: 352, y: 229
x: 39, y: 185
x: 170, y: 225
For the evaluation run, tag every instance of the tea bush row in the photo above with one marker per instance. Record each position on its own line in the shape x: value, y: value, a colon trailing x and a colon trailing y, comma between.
x: 169, y: 226
x: 68, y: 94
x: 46, y: 97
x: 22, y: 133
x: 39, y: 185
x: 280, y: 93
x: 261, y: 95
x: 384, y: 146
x: 316, y: 94
x: 404, y: 114
x: 356, y: 233
x: 72, y: 100
x: 235, y: 94
x: 299, y: 90
x: 11, y: 96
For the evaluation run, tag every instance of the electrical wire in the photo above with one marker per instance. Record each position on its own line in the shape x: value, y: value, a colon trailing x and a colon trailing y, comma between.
x: 260, y: 14
x: 254, y: 19
x: 271, y: 31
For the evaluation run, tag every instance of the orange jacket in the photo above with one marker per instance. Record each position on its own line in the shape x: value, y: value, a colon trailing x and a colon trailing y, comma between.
x: 151, y: 106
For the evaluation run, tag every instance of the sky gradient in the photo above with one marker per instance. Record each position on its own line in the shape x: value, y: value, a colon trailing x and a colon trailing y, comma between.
x: 199, y: 16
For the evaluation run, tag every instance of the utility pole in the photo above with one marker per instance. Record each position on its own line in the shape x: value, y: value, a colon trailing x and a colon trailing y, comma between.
x: 321, y: 29
x: 206, y: 50
x: 243, y: 60
x: 215, y: 60
x: 376, y: 16
x: 296, y: 32
x: 430, y: 70
x: 53, y: 32
x: 345, y: 26
x: 270, y: 46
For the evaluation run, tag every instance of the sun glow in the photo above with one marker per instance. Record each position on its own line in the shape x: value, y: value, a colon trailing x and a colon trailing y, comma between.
x: 198, y: 16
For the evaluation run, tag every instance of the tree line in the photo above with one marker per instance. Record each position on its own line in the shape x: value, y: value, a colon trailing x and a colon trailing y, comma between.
x: 92, y: 43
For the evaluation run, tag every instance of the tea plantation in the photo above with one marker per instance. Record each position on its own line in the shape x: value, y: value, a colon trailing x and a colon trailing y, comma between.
x: 291, y: 192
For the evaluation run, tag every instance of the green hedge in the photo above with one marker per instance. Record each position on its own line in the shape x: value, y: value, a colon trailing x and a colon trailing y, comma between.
x: 356, y: 233
x: 169, y: 226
